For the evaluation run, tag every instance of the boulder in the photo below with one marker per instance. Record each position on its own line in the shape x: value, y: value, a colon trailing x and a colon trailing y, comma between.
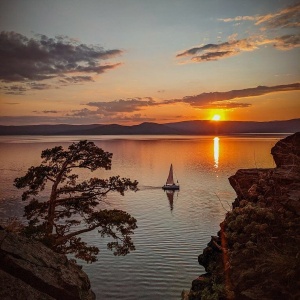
x: 30, y: 270
x: 286, y: 152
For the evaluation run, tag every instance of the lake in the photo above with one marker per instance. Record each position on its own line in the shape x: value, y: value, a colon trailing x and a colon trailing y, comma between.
x: 173, y: 229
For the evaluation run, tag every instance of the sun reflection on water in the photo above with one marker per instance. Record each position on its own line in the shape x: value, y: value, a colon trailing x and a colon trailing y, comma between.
x: 216, y: 152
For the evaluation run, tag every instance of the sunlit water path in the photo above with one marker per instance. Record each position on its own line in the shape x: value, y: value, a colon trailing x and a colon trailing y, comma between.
x: 172, y: 229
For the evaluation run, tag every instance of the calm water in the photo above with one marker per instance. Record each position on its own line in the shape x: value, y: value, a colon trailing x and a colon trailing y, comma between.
x: 172, y: 231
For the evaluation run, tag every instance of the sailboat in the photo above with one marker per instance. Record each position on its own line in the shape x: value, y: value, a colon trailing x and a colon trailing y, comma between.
x: 170, y: 184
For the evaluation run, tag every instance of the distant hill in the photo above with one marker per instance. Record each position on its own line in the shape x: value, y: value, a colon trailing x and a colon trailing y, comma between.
x: 235, y: 127
x: 59, y: 129
x: 199, y: 127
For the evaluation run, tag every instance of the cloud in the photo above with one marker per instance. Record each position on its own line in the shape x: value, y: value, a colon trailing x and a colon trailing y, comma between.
x: 47, y: 111
x: 83, y: 113
x: 222, y: 50
x: 213, y: 56
x: 288, y: 17
x: 129, y: 105
x: 38, y: 86
x: 239, y: 18
x: 118, y: 110
x: 25, y: 59
x: 75, y: 79
x: 287, y: 42
x: 14, y: 89
x: 212, y: 52
x: 222, y: 99
x: 224, y: 105
x: 128, y: 110
x: 21, y: 89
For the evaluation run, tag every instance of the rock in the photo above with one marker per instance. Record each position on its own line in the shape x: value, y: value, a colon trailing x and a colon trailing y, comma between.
x: 254, y: 293
x: 30, y: 270
x: 200, y: 283
x: 258, y: 257
x: 286, y: 152
x: 211, y: 254
x: 14, y: 288
x: 245, y: 182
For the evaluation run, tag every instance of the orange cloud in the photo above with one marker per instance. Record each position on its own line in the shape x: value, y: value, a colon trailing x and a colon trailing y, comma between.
x: 222, y: 99
x: 211, y: 52
x: 286, y: 18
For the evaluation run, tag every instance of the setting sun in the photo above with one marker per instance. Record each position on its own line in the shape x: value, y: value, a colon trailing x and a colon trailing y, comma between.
x: 216, y: 118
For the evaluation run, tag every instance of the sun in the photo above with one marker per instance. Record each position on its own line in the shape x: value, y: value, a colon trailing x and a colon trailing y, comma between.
x: 216, y: 118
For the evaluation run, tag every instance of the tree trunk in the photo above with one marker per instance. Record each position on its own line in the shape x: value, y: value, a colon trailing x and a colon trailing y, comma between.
x: 52, y: 200
x: 51, y: 210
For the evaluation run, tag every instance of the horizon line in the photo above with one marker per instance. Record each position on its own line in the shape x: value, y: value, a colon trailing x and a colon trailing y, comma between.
x: 107, y: 124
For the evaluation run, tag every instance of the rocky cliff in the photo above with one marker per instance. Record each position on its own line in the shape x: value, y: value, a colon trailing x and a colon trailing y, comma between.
x: 29, y: 270
x: 256, y: 253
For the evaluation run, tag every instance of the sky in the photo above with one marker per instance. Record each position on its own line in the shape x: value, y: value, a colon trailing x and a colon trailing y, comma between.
x: 134, y: 61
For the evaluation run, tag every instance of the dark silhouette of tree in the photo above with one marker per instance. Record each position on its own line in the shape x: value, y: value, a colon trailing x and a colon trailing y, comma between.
x: 73, y: 207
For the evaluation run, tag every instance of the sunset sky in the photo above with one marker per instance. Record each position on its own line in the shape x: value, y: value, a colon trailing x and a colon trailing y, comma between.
x: 134, y: 61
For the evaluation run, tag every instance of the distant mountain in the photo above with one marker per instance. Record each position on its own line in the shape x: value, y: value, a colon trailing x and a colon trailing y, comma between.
x: 235, y: 127
x: 59, y: 129
x: 203, y: 127
x: 144, y: 128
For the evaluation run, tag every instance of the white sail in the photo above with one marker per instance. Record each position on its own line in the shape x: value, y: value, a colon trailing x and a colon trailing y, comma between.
x: 170, y: 179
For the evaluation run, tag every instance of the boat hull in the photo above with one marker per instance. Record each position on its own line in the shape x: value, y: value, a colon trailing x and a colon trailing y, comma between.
x: 171, y: 187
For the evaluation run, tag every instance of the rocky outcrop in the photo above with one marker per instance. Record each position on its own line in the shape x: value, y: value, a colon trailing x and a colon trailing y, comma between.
x: 29, y: 270
x: 286, y: 153
x: 278, y: 187
x: 256, y: 254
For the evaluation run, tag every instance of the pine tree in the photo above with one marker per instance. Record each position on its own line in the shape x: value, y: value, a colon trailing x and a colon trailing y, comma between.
x: 73, y: 206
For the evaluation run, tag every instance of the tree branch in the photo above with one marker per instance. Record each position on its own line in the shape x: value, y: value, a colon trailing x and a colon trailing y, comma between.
x: 60, y: 240
x: 49, y: 178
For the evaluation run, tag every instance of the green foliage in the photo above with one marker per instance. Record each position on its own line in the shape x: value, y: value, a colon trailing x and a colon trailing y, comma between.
x: 73, y: 206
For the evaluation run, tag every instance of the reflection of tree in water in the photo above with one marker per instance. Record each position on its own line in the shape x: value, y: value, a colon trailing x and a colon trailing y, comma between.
x: 170, y: 195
